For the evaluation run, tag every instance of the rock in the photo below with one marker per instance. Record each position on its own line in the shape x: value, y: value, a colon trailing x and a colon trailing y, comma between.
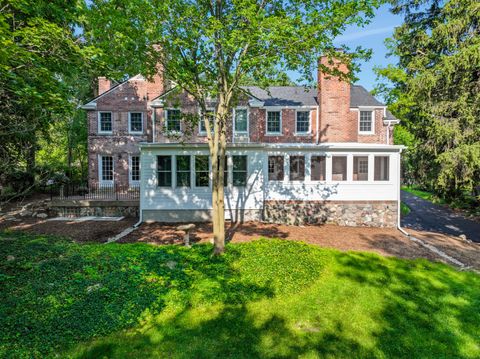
x: 25, y: 213
x: 171, y: 264
x: 10, y: 258
x: 42, y: 215
x: 93, y: 287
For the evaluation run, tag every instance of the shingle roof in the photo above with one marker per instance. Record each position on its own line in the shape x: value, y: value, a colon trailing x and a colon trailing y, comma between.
x: 305, y: 96
x: 285, y: 95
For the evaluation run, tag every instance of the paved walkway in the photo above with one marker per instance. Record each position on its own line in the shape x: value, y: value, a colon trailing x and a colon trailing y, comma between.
x: 426, y: 216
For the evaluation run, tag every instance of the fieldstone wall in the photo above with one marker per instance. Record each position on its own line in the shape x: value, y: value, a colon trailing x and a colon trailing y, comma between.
x: 342, y: 213
x: 85, y: 208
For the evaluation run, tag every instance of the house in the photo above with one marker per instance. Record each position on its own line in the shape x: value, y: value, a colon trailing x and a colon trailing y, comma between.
x: 295, y: 155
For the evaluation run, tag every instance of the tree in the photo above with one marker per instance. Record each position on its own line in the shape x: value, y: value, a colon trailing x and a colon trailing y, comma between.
x: 435, y: 89
x: 210, y: 47
x: 40, y: 53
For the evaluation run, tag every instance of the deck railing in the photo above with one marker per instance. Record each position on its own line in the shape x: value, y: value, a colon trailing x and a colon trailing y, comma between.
x: 95, y: 191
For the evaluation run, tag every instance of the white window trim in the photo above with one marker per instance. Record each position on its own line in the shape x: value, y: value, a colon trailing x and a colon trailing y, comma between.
x: 130, y: 180
x: 99, y: 127
x: 166, y: 121
x: 309, y: 132
x: 130, y: 124
x: 268, y: 133
x: 372, y: 132
x: 200, y: 132
x: 104, y: 183
x: 235, y: 120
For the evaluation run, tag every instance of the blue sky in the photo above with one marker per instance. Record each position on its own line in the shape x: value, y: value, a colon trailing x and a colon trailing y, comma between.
x: 371, y: 37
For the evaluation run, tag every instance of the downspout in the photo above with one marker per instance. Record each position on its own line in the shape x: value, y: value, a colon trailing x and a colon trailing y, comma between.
x: 153, y: 123
x: 317, y: 125
x: 398, y: 197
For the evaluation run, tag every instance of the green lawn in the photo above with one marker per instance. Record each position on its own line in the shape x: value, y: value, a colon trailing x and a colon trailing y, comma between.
x: 422, y: 194
x: 404, y: 209
x: 263, y: 299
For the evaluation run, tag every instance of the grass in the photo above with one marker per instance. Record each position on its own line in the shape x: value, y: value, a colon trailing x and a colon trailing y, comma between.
x: 404, y: 209
x: 423, y: 194
x: 263, y: 299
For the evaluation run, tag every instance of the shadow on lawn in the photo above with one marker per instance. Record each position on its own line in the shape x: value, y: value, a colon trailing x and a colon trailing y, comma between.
x: 46, y: 305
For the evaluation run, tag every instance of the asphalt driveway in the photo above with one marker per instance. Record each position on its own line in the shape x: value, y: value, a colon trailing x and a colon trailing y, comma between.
x: 426, y: 216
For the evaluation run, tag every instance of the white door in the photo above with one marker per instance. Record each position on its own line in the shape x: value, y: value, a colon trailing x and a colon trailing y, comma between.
x: 105, y: 171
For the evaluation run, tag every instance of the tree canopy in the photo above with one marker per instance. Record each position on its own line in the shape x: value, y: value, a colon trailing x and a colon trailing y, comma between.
x: 435, y: 89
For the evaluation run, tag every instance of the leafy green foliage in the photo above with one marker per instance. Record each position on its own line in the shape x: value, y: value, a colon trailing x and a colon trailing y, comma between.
x: 268, y: 298
x: 434, y: 90
x: 404, y: 209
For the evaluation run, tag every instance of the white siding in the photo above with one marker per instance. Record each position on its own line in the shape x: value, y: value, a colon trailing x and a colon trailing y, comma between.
x: 254, y: 194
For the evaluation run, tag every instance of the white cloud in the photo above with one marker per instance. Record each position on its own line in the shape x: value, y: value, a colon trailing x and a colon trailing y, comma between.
x: 363, y: 33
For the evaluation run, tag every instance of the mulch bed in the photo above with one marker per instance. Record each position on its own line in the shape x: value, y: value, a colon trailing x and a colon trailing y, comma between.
x: 88, y: 231
x: 384, y: 241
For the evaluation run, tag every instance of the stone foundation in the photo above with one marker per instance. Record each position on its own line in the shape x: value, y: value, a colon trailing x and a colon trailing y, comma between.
x: 342, y: 213
x: 84, y: 208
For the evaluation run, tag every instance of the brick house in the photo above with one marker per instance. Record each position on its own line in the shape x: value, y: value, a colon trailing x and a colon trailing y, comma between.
x: 295, y: 155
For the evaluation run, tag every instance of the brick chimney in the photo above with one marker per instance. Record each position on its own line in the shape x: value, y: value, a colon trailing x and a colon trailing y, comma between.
x: 104, y: 85
x: 336, y: 123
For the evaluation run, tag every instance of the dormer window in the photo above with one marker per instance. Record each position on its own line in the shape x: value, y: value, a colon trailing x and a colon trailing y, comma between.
x: 366, y: 125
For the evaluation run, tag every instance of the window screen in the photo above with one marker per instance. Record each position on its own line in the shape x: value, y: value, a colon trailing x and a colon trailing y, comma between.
x: 297, y: 168
x: 382, y: 168
x: 201, y: 171
x: 275, y: 168
x: 318, y: 168
x: 164, y: 171
x: 239, y: 171
x: 360, y: 168
x: 339, y: 168
x: 183, y: 171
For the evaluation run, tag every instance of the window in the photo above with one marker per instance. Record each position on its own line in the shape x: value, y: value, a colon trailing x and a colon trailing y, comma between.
x: 297, y: 168
x: 183, y: 171
x: 339, y: 168
x: 135, y: 169
x: 211, y: 118
x: 366, y: 123
x: 382, y: 168
x: 225, y: 171
x: 136, y: 122
x: 275, y: 168
x: 173, y: 120
x: 303, y: 122
x: 105, y: 122
x: 107, y: 168
x: 318, y: 168
x: 164, y: 170
x: 360, y: 168
x: 201, y: 171
x: 274, y: 122
x: 239, y: 171
x: 241, y: 120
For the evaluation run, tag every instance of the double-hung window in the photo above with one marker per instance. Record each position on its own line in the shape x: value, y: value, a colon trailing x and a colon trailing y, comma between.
x: 274, y: 122
x: 241, y: 120
x: 318, y: 168
x: 105, y: 122
x: 164, y: 171
x: 366, y: 122
x: 240, y: 171
x: 173, y: 120
x: 202, y: 176
x: 135, y: 122
x: 360, y: 168
x: 302, y: 123
x: 135, y: 169
x: 210, y: 116
x: 382, y: 168
x: 275, y: 168
x: 183, y: 171
x: 297, y: 168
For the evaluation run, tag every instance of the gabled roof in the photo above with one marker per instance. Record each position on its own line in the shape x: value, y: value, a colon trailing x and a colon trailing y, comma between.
x: 284, y: 95
x: 359, y: 96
